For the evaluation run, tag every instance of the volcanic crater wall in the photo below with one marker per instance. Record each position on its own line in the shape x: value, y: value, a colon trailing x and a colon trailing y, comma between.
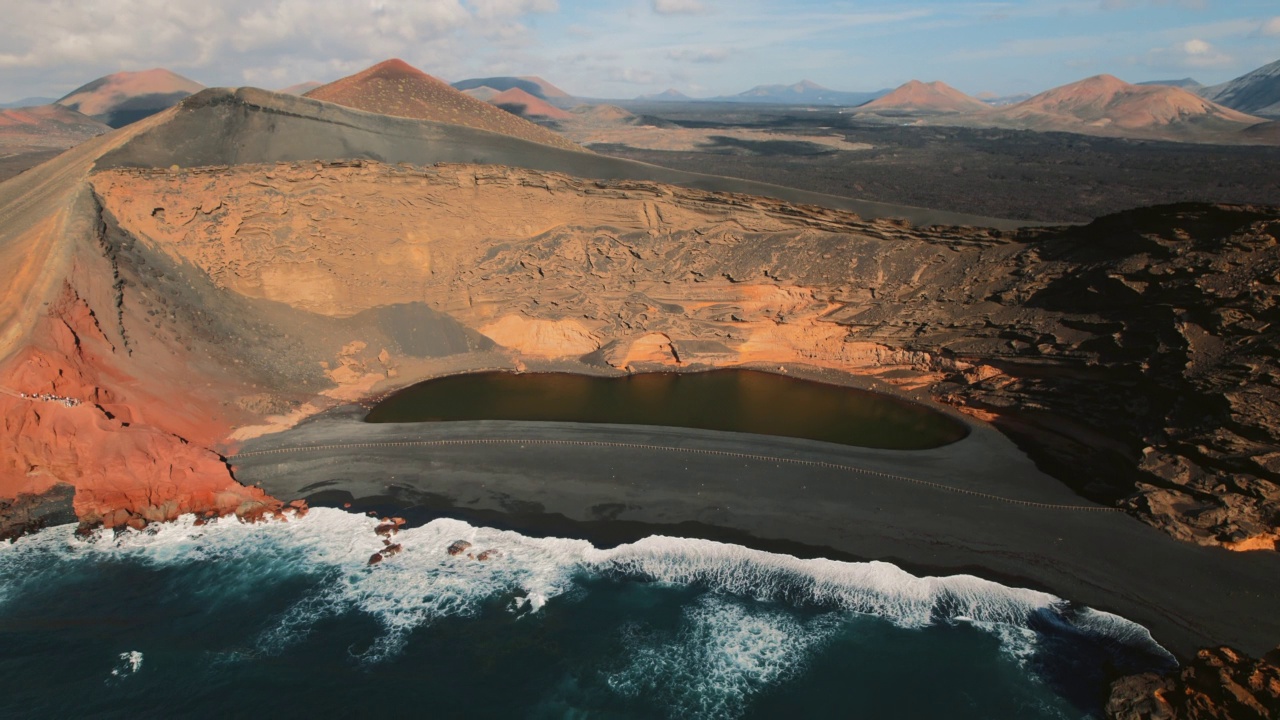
x: 1132, y: 357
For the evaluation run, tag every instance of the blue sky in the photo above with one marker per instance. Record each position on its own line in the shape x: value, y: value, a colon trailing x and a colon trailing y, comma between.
x: 622, y: 48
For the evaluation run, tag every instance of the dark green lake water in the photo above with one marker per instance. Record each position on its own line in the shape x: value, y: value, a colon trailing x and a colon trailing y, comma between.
x: 745, y: 401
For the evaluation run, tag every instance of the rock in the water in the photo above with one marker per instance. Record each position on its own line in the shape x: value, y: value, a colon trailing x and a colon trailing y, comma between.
x: 458, y: 547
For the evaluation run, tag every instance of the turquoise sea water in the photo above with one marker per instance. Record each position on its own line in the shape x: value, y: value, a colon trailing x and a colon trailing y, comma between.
x: 289, y: 620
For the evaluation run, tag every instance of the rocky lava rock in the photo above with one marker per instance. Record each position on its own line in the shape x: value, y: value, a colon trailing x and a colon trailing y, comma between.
x: 1220, y: 684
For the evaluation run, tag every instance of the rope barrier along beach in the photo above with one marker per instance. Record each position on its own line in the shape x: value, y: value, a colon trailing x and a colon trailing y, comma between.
x: 673, y: 449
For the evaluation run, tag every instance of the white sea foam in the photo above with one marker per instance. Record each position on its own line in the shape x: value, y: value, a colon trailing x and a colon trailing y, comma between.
x: 423, y: 584
x: 127, y: 663
x: 724, y: 652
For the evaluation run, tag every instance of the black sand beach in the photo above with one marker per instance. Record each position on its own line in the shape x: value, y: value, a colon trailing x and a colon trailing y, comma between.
x: 978, y: 506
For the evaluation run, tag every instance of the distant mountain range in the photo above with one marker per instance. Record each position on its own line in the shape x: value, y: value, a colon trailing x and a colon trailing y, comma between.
x: 668, y: 95
x: 1256, y: 93
x: 301, y: 88
x: 533, y: 85
x: 1184, y: 83
x: 802, y: 93
x: 1001, y: 100
x: 1174, y: 109
x: 27, y: 102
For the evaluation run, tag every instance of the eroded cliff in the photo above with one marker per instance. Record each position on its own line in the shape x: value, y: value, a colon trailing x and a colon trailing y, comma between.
x: 1130, y: 356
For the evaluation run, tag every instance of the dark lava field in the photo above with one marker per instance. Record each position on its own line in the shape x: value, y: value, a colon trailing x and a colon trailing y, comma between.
x: 1046, y: 177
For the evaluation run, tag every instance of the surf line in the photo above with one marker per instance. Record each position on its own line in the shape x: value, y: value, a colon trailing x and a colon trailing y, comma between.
x: 669, y: 448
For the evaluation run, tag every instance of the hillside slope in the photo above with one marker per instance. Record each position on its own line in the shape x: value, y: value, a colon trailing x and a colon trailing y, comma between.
x: 395, y: 88
x: 1256, y: 92
x: 926, y: 97
x: 47, y: 126
x: 1104, y: 104
x: 126, y: 97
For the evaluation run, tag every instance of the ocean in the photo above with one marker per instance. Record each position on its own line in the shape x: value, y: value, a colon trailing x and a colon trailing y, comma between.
x: 288, y: 619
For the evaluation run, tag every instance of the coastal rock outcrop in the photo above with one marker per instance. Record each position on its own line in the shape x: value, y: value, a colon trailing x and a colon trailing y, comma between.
x: 1219, y: 684
x: 62, y: 427
x: 30, y: 512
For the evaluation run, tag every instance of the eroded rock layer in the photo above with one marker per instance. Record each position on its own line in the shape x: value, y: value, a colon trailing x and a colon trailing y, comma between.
x: 1133, y: 356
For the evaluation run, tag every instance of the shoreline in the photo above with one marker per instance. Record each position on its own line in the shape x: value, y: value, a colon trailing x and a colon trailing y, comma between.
x: 611, y: 484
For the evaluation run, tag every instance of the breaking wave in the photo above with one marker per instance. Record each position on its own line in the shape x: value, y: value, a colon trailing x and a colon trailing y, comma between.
x: 756, y: 620
x: 424, y: 583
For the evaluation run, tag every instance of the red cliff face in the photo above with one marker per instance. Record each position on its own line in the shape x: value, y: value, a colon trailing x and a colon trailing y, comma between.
x: 61, y: 424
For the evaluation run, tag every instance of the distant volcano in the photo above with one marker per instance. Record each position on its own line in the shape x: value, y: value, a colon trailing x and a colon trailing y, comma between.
x: 301, y: 88
x: 929, y: 97
x: 1107, y: 103
x: 127, y: 97
x: 668, y: 95
x: 1257, y: 92
x: 531, y: 84
x: 523, y: 104
x: 47, y: 126
x: 396, y: 88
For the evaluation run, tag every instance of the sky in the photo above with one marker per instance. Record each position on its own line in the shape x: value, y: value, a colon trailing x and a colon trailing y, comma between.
x: 624, y: 48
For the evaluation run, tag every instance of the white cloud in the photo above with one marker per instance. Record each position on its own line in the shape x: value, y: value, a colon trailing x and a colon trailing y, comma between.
x: 1197, y: 47
x: 678, y: 7
x: 633, y: 76
x: 501, y: 9
x: 1270, y: 28
x: 1125, y: 4
x: 699, y: 55
x: 1193, y: 53
x: 53, y: 46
